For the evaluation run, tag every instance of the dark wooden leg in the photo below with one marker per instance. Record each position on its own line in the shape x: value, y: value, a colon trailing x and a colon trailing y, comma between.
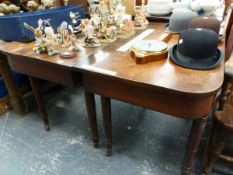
x: 216, y: 146
x: 17, y: 103
x: 195, y: 137
x: 106, y: 110
x: 36, y: 89
x: 91, y: 111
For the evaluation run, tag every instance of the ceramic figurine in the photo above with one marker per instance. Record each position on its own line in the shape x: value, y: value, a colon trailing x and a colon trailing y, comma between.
x: 64, y: 34
x: 4, y: 8
x: 89, y: 31
x: 32, y: 5
x: 8, y: 9
x: 119, y: 6
x: 101, y: 9
x: 45, y: 39
x: 74, y: 18
x: 140, y: 21
x: 74, y: 45
x: 13, y: 8
x: 37, y: 31
x: 46, y: 4
x: 127, y: 30
x: 48, y: 30
x: 107, y: 33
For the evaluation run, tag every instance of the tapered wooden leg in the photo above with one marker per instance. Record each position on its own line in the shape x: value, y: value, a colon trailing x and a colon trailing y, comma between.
x: 36, y: 89
x: 216, y: 146
x: 17, y: 102
x: 106, y: 111
x: 91, y: 111
x: 195, y: 137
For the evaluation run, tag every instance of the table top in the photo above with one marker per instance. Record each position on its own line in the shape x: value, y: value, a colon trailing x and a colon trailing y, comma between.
x: 26, y: 50
x: 107, y: 61
x: 163, y: 74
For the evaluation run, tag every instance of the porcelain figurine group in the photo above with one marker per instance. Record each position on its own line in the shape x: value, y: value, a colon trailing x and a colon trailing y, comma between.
x: 106, y: 25
x: 109, y: 22
x: 47, y: 41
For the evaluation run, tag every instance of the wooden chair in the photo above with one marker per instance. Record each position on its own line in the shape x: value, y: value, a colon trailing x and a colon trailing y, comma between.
x: 223, y: 113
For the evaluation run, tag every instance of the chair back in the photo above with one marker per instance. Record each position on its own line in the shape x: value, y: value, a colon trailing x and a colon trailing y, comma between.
x: 229, y: 34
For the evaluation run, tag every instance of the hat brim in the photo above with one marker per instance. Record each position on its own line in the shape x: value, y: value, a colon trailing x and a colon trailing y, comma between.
x: 200, y: 64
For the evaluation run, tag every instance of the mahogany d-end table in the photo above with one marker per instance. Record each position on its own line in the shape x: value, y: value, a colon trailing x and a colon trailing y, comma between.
x: 22, y: 59
x: 161, y: 86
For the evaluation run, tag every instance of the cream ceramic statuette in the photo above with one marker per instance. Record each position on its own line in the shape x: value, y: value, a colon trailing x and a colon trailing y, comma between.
x: 46, y: 41
x: 140, y: 21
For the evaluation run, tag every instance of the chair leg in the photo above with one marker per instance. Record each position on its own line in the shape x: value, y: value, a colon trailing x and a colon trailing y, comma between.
x: 216, y: 145
x: 106, y: 111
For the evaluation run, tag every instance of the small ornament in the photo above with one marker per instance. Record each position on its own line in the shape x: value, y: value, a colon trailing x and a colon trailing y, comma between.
x: 127, y: 30
x: 73, y: 42
x: 68, y: 54
x: 140, y: 21
x: 32, y: 5
x: 8, y: 9
x: 89, y: 31
x: 45, y: 39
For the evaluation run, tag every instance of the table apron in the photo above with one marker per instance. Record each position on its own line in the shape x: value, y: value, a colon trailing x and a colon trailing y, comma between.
x: 182, y: 106
x: 43, y: 70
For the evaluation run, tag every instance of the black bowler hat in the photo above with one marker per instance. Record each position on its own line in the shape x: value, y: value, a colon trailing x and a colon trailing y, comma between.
x: 197, y: 49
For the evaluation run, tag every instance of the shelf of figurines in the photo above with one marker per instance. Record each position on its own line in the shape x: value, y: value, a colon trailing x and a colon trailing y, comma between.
x: 105, y: 25
x: 8, y: 7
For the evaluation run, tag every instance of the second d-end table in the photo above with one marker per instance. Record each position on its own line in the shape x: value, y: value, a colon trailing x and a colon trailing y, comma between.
x: 161, y: 86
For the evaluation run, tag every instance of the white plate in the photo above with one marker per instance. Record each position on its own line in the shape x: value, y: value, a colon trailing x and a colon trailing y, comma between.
x: 156, y: 8
x: 159, y: 1
x: 159, y: 13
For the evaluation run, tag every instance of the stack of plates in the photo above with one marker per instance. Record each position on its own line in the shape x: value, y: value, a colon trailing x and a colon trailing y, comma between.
x: 159, y: 7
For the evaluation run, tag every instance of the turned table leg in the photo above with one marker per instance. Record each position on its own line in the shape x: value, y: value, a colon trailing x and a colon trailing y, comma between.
x: 91, y: 111
x: 216, y: 145
x: 17, y: 103
x: 106, y: 111
x: 36, y: 89
x: 195, y: 137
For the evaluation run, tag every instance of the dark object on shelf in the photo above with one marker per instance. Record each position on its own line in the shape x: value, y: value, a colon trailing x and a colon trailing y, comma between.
x: 154, y: 18
x: 197, y: 49
x: 12, y: 29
